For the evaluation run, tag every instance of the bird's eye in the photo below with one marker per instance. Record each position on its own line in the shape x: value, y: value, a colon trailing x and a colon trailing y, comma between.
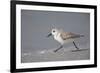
x: 53, y: 31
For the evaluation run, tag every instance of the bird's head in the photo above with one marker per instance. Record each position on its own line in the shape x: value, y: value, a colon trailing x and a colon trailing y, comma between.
x: 53, y: 32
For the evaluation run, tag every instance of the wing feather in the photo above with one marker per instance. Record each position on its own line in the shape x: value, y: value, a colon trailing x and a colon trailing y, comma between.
x: 68, y: 35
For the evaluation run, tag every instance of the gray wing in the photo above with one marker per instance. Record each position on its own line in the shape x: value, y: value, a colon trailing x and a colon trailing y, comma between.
x: 69, y: 35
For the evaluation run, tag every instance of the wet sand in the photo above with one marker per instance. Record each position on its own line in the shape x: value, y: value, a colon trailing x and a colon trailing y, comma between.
x: 63, y: 54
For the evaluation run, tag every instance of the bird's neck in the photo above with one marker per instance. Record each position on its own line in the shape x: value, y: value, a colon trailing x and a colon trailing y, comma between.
x: 57, y: 34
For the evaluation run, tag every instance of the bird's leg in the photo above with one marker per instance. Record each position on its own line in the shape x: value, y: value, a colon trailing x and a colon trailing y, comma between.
x: 75, y: 45
x: 58, y: 48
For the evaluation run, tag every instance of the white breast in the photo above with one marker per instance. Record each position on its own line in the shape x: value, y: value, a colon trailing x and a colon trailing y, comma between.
x: 59, y: 39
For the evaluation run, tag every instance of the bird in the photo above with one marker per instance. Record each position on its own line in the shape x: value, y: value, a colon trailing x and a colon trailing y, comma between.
x: 64, y: 37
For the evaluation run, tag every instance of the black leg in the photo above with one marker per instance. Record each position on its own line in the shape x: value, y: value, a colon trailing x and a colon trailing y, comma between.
x: 75, y: 45
x: 78, y: 48
x: 58, y: 48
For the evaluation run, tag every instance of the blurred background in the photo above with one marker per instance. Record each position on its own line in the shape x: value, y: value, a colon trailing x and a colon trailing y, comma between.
x: 35, y: 26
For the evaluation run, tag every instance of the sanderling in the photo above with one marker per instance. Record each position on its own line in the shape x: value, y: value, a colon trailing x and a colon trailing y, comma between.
x: 64, y: 37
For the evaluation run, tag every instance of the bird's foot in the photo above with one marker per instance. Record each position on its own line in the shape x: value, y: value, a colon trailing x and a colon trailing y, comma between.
x: 55, y: 50
x: 58, y: 48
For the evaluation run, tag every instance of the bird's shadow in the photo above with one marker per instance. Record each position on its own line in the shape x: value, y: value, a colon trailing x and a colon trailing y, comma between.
x: 79, y: 50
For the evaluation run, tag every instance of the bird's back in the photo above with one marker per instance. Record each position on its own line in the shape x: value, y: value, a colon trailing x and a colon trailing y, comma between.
x: 69, y: 35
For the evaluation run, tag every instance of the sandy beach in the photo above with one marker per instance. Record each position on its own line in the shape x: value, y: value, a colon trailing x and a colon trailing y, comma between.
x: 49, y: 55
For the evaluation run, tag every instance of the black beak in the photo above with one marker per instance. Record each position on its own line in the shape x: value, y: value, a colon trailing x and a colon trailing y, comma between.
x: 49, y: 35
